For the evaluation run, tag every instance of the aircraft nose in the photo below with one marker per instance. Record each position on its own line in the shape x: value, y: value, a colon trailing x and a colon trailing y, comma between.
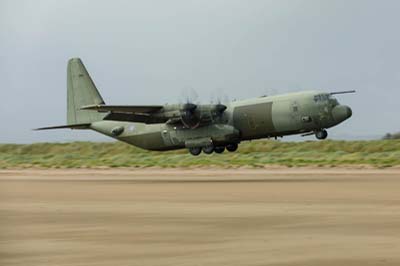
x: 341, y: 113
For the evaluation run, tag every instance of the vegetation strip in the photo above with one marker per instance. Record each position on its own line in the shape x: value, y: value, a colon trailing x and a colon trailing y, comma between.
x: 257, y: 154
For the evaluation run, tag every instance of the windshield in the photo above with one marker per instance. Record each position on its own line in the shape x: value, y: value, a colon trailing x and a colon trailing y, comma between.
x: 322, y: 97
x: 326, y: 97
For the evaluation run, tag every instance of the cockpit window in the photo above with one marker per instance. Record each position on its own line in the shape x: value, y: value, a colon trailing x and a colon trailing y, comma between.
x: 322, y: 97
x: 326, y: 98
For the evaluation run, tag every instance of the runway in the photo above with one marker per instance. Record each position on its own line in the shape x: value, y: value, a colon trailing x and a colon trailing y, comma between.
x: 143, y: 217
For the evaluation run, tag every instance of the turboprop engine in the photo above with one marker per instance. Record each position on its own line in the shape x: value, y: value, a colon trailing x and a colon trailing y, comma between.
x: 192, y: 115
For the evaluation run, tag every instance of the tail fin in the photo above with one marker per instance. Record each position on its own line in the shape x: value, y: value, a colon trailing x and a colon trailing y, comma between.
x: 81, y: 91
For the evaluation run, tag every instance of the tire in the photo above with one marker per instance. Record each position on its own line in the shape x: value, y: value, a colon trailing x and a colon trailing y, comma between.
x: 219, y: 149
x: 208, y: 149
x: 195, y: 151
x: 232, y: 147
x: 323, y: 134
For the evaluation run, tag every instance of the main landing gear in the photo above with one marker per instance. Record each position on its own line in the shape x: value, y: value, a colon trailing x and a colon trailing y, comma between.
x: 322, y: 134
x: 219, y: 149
x: 208, y: 149
x: 232, y: 147
x: 195, y: 151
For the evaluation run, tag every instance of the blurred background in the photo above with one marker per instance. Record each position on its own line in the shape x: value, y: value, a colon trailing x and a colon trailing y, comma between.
x: 149, y: 52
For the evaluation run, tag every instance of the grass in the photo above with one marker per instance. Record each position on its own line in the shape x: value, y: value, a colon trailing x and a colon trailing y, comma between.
x: 380, y: 154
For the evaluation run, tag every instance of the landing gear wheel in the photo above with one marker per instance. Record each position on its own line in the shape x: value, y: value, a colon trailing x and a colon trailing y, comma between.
x: 219, y: 149
x: 323, y: 134
x: 208, y: 149
x: 195, y: 151
x: 232, y: 147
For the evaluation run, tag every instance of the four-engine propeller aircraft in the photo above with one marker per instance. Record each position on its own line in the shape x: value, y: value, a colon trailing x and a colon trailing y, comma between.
x: 208, y: 128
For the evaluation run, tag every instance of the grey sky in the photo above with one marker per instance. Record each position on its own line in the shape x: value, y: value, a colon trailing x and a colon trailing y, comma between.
x: 147, y: 52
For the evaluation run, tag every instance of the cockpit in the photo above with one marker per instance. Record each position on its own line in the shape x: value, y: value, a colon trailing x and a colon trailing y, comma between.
x: 326, y: 98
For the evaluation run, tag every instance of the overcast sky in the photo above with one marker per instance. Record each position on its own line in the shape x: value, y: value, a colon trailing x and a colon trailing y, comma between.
x: 148, y: 52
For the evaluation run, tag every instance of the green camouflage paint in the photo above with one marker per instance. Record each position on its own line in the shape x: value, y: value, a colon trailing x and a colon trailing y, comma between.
x: 163, y: 128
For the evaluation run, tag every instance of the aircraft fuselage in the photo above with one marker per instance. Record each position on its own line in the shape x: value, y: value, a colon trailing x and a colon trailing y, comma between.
x: 264, y: 117
x: 200, y: 128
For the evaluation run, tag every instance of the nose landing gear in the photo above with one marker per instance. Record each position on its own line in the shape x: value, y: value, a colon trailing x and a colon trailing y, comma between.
x: 322, y: 134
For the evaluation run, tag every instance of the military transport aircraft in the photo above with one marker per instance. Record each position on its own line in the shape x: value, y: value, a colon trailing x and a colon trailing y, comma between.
x: 197, y: 127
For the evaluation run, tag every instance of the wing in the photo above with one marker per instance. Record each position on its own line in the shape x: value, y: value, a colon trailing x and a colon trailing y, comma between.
x: 126, y: 109
x: 130, y: 113
x: 73, y: 126
x: 140, y: 118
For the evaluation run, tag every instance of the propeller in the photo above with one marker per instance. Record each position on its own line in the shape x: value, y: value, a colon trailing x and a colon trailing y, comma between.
x: 220, y: 108
x: 189, y: 107
x: 190, y: 116
x: 189, y: 95
x: 221, y: 99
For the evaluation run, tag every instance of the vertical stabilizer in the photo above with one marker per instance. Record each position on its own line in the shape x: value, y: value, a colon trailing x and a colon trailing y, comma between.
x: 81, y: 91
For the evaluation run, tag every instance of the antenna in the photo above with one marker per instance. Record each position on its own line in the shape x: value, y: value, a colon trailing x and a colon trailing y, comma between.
x: 342, y: 92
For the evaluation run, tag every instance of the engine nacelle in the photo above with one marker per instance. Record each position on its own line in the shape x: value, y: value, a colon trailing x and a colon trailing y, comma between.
x: 192, y: 116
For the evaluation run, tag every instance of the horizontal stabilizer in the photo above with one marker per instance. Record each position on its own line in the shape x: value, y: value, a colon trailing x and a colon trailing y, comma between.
x: 75, y: 126
x: 124, y: 108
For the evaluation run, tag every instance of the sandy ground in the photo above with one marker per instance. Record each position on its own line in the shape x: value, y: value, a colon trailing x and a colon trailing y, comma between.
x: 200, y: 217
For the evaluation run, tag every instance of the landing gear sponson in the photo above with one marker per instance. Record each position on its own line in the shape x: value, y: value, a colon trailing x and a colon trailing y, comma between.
x: 232, y: 147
